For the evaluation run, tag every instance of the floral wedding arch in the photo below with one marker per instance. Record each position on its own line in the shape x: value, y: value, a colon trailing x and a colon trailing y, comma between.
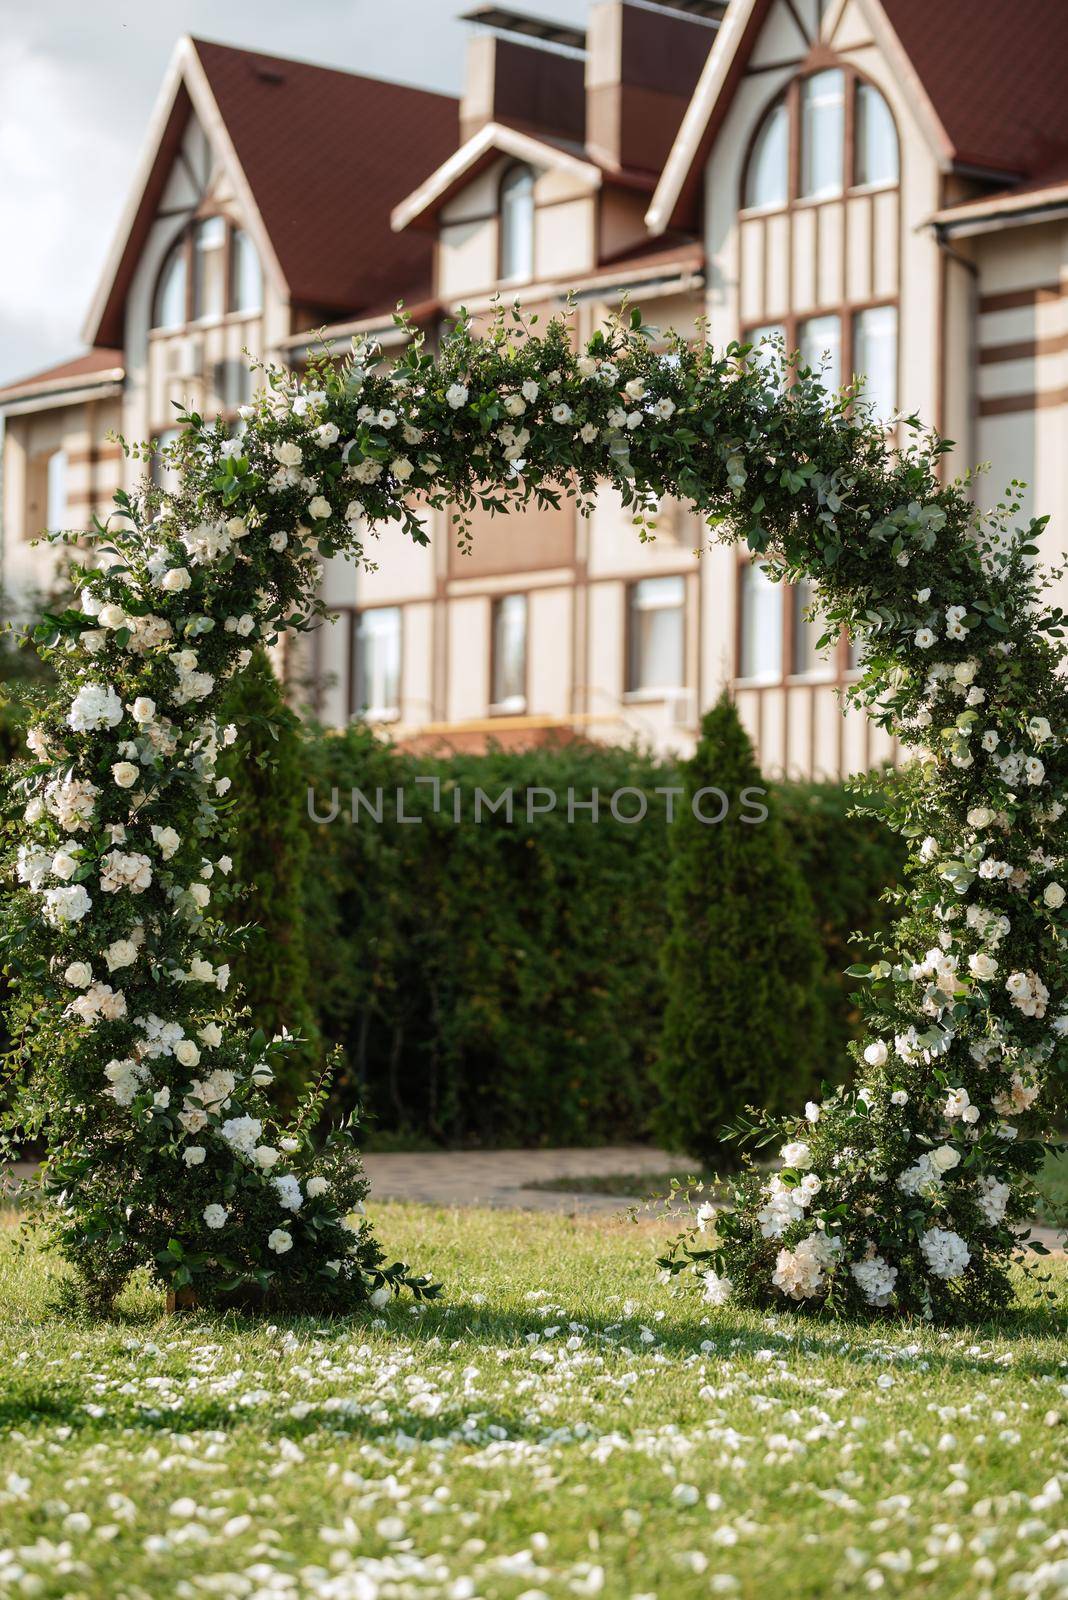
x: 147, y: 1080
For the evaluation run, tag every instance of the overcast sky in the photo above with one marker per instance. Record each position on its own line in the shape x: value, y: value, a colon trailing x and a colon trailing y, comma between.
x: 78, y: 79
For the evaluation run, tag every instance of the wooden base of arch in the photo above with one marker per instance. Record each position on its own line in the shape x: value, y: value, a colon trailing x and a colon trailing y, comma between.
x: 180, y: 1300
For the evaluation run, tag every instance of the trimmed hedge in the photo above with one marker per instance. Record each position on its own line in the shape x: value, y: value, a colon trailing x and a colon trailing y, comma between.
x: 499, y: 983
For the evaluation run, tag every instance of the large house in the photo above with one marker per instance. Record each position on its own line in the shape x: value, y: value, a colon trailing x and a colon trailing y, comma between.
x: 882, y: 183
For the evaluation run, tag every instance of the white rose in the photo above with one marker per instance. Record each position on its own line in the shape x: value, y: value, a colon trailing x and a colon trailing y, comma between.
x: 143, y: 709
x: 211, y: 1035
x: 125, y: 774
x: 876, y: 1054
x: 924, y: 638
x: 186, y: 1053
x: 982, y: 966
x: 79, y: 975
x: 175, y: 580
x: 64, y: 865
x: 319, y: 508
x: 796, y: 1154
x: 288, y: 454
x: 964, y: 672
x: 1053, y: 895
x: 112, y: 616
x: 945, y: 1158
x: 279, y: 1241
x: 215, y: 1216
x: 327, y: 433
x: 635, y: 389
x: 200, y: 894
x: 456, y: 395
x: 193, y: 1155
x: 122, y: 953
x: 401, y: 469
x: 980, y: 817
x: 1039, y: 729
x: 266, y: 1156
x: 316, y: 1187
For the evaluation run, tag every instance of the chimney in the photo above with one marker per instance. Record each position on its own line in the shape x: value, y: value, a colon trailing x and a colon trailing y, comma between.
x: 526, y: 73
x: 642, y: 65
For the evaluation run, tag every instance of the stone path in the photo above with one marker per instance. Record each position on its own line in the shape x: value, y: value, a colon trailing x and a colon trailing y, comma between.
x: 501, y: 1179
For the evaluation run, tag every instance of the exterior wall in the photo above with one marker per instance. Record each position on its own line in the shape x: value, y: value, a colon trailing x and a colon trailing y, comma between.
x: 93, y: 473
x: 1022, y: 375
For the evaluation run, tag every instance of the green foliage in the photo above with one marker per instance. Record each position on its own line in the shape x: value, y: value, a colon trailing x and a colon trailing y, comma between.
x: 849, y: 859
x: 269, y: 849
x: 743, y: 1020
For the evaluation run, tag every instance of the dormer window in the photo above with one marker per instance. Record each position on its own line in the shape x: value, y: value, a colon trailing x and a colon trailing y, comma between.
x: 517, y: 225
x: 211, y: 270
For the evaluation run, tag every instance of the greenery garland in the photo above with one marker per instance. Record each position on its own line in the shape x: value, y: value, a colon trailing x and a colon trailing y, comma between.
x: 901, y: 1194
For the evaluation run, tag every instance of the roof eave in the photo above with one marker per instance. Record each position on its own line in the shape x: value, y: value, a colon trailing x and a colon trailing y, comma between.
x: 421, y: 207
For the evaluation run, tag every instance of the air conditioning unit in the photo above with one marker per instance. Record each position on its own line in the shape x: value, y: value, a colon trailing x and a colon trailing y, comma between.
x: 185, y: 357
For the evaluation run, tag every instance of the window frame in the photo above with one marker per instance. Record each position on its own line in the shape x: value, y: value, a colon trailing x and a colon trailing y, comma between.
x: 634, y: 693
x: 377, y: 715
x: 790, y: 95
x: 512, y: 170
x: 834, y: 669
x: 497, y: 707
x: 184, y: 244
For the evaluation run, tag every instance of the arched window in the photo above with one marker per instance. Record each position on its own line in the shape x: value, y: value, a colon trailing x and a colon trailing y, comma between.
x: 212, y: 269
x: 170, y: 308
x: 767, y: 179
x: 799, y: 152
x: 876, y: 158
x: 246, y: 279
x: 517, y: 224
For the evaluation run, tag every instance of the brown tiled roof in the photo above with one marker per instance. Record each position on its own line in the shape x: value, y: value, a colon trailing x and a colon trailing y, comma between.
x: 326, y: 155
x: 995, y: 71
x: 80, y: 368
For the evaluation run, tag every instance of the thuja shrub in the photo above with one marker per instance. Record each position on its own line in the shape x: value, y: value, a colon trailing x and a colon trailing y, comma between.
x: 744, y: 1020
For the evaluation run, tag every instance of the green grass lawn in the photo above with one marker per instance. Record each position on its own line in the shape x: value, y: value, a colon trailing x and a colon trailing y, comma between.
x: 559, y: 1425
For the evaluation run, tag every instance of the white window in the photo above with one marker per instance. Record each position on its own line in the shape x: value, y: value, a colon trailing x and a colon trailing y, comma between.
x: 170, y: 308
x: 377, y: 644
x: 876, y: 138
x: 819, y: 341
x: 808, y: 630
x: 760, y: 652
x: 767, y: 181
x: 246, y: 279
x: 656, y: 634
x: 875, y: 358
x: 508, y: 688
x: 517, y: 224
x: 769, y: 345
x: 822, y: 133
x: 209, y: 268
x: 56, y: 508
